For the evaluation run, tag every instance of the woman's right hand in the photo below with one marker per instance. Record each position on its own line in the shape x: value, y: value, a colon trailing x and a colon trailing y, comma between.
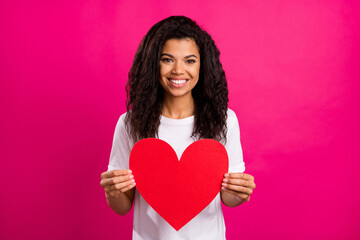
x: 117, y: 182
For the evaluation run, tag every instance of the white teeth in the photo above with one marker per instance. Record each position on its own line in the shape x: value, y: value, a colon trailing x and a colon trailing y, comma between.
x: 177, y: 81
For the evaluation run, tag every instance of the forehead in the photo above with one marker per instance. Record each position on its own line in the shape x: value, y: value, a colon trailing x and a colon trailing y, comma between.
x: 180, y: 46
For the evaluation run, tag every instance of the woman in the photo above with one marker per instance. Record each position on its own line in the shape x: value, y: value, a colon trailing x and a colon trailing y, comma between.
x: 177, y: 92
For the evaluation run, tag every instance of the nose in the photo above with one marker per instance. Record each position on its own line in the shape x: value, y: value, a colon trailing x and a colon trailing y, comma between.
x: 178, y: 68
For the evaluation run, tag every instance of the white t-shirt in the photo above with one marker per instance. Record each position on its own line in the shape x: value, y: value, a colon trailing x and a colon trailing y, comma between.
x: 148, y: 225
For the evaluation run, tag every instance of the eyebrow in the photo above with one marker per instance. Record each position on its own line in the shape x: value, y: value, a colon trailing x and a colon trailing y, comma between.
x: 192, y: 55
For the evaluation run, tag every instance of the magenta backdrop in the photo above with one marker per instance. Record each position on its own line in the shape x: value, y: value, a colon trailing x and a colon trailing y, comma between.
x: 293, y: 73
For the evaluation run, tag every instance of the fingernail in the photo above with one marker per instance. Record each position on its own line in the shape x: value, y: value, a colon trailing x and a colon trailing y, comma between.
x: 223, y: 184
x: 131, y: 176
x: 129, y: 171
x: 226, y: 175
x: 133, y: 180
x: 225, y: 180
x: 222, y: 188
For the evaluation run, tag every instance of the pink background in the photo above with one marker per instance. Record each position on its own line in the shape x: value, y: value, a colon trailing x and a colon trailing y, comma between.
x: 293, y: 72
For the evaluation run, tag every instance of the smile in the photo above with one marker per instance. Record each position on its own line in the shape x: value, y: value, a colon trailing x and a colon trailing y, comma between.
x: 178, y: 82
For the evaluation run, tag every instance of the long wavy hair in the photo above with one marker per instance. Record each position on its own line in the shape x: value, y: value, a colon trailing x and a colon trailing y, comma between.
x: 145, y: 94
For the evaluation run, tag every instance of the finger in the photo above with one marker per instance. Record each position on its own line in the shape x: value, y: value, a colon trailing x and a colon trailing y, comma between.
x: 118, y: 186
x: 240, y: 182
x: 118, y: 192
x: 241, y: 175
x: 121, y: 185
x: 237, y: 188
x: 128, y: 187
x: 240, y: 195
x: 113, y: 173
x: 114, y: 180
x: 123, y: 178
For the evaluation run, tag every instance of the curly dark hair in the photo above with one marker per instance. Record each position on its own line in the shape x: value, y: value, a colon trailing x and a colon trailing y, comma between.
x: 145, y: 93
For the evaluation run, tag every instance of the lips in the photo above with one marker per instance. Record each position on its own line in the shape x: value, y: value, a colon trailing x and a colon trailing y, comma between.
x: 178, y: 82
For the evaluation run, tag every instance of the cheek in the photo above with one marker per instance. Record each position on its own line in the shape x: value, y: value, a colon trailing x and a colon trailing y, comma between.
x: 195, y: 73
x: 161, y: 70
x: 165, y: 67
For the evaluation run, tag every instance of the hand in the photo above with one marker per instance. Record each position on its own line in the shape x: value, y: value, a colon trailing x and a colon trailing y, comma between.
x: 240, y: 185
x: 117, y: 182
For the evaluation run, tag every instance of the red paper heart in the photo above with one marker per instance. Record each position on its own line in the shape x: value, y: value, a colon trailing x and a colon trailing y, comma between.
x: 178, y: 190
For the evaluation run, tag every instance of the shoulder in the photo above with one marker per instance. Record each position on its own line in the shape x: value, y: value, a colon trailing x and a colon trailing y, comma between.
x: 121, y: 125
x: 231, y: 117
x: 121, y: 120
x: 122, y: 116
x: 122, y: 130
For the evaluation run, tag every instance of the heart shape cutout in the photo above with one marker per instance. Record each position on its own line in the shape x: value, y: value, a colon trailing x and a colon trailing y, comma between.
x: 178, y: 190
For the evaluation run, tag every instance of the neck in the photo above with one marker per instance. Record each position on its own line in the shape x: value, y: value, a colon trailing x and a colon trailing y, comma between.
x: 178, y: 107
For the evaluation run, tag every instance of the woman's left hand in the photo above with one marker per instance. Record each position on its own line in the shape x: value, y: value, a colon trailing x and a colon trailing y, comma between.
x: 239, y: 184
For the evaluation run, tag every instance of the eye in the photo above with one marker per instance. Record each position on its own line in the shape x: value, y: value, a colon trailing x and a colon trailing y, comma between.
x: 191, y: 61
x: 165, y: 59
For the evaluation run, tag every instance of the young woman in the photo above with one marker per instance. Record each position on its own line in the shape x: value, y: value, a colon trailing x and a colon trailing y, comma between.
x: 177, y: 92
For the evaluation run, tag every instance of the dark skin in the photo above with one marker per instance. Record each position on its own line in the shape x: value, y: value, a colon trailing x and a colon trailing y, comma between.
x: 119, y: 186
x: 237, y: 188
x: 180, y: 61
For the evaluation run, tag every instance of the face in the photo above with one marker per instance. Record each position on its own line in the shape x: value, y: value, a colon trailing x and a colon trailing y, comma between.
x: 179, y: 67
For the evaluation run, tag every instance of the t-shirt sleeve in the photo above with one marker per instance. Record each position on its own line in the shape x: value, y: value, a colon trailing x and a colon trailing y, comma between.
x: 120, y: 150
x: 233, y: 145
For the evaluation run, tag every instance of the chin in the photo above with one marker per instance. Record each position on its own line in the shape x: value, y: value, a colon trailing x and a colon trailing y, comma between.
x: 177, y: 94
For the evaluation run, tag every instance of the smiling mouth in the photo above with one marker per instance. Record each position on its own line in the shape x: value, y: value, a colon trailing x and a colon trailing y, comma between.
x: 178, y: 82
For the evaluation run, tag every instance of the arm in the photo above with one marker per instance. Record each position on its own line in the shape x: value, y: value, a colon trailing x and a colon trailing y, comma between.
x: 119, y: 186
x: 122, y: 203
x: 117, y: 183
x: 236, y: 189
x: 229, y: 199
